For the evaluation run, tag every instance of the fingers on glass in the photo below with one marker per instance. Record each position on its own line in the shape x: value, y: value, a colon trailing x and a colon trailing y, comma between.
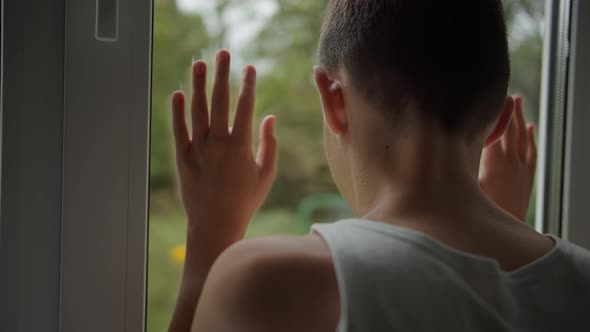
x: 267, y: 150
x: 245, y: 109
x: 509, y: 138
x: 199, y: 108
x: 181, y: 137
x: 496, y: 148
x: 521, y: 131
x: 531, y: 156
x: 220, y: 98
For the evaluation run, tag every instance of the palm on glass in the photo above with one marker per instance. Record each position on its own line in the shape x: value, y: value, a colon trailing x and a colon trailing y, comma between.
x: 222, y: 182
x: 507, y: 170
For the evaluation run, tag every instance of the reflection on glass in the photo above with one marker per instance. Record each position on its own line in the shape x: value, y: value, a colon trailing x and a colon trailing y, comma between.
x: 280, y: 38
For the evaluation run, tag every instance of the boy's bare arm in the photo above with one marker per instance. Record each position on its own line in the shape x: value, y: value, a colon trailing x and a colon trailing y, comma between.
x: 271, y: 284
x: 507, y: 169
x: 222, y: 183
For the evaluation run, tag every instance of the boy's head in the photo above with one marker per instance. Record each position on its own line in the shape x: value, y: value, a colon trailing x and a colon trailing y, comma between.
x: 448, y: 58
x: 445, y: 63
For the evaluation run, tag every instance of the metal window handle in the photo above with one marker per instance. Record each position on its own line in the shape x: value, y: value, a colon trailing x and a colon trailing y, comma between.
x: 107, y: 20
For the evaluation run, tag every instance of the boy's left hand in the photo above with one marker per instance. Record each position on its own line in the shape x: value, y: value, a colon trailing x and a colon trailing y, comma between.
x: 222, y: 183
x: 507, y: 169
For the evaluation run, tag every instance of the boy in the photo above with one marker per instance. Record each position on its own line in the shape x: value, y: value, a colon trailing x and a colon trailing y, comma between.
x: 411, y: 90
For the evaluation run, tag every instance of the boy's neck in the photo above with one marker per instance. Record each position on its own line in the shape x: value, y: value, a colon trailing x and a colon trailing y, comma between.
x: 415, y: 178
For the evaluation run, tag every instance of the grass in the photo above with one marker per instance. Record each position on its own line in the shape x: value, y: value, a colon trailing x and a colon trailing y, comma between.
x: 166, y: 240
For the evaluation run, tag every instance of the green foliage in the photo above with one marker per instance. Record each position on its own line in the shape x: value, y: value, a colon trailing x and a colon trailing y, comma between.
x: 166, y: 232
x: 323, y: 207
x: 526, y: 78
x: 288, y: 43
x: 287, y: 46
x: 525, y: 29
x: 178, y: 38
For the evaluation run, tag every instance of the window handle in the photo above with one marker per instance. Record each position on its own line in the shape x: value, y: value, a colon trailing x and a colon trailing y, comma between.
x: 107, y: 20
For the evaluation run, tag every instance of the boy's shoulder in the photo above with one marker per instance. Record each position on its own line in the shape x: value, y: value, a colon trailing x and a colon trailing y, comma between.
x: 278, y: 283
x: 279, y: 254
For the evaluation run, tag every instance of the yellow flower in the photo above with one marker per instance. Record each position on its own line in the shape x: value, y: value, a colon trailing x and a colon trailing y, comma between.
x: 178, y: 253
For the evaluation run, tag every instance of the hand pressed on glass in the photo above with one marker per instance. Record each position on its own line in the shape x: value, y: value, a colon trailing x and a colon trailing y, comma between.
x: 222, y: 182
x: 507, y: 169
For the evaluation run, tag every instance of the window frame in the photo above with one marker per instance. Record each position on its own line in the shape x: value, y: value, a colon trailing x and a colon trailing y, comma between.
x: 106, y: 148
x: 554, y: 85
x: 30, y: 204
x: 1, y: 91
x: 576, y: 180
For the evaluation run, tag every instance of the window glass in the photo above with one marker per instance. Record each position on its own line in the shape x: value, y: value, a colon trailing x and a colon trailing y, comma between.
x: 526, y: 24
x: 280, y: 38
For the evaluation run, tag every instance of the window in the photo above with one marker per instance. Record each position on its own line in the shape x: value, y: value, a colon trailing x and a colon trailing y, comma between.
x: 74, y: 147
x: 576, y: 227
x: 280, y: 37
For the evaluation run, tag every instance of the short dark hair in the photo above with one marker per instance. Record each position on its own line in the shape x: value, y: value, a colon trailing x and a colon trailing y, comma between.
x: 450, y: 59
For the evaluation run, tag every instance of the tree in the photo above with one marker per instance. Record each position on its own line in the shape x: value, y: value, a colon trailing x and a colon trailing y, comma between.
x: 288, y: 45
x: 526, y: 20
x: 178, y: 38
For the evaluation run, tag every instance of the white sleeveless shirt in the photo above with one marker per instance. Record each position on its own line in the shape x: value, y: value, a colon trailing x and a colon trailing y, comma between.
x: 396, y: 279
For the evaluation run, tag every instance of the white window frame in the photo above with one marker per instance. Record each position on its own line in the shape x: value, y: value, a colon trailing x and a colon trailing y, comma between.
x: 30, y: 204
x: 75, y: 148
x: 552, y: 116
x: 105, y: 168
x: 576, y: 180
x: 563, y: 178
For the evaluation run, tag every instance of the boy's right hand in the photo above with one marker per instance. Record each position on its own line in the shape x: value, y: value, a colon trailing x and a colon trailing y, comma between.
x: 507, y: 169
x: 222, y: 182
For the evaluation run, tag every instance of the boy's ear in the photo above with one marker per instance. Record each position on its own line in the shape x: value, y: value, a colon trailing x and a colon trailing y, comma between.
x: 332, y: 101
x: 503, y: 122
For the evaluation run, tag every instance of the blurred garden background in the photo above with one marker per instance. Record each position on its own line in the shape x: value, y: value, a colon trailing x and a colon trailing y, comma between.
x: 280, y: 38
